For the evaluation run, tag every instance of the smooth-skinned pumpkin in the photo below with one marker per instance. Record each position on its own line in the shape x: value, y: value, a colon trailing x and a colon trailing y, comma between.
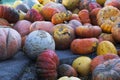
x: 84, y: 46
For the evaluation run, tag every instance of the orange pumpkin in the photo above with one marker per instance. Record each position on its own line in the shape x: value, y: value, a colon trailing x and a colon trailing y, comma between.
x: 61, y: 17
x: 84, y: 46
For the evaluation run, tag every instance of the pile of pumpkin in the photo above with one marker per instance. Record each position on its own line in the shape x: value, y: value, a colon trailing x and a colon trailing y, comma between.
x: 83, y: 26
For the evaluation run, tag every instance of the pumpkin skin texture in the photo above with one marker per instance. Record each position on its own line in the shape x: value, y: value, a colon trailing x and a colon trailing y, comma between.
x: 74, y: 24
x: 22, y: 27
x: 106, y: 37
x: 61, y: 17
x: 88, y: 31
x: 10, y: 43
x: 32, y: 15
x: 4, y: 22
x: 38, y: 41
x: 63, y: 36
x: 47, y: 64
x: 84, y: 46
x: 42, y: 25
x: 50, y: 9
x: 93, y: 16
x: 66, y: 70
x: 68, y: 78
x: 109, y: 70
x: 101, y: 59
x: 115, y: 3
x: 84, y: 16
x: 105, y: 47
x: 9, y: 13
x: 88, y: 4
x: 107, y: 17
x: 116, y: 32
x: 70, y: 4
x: 82, y: 65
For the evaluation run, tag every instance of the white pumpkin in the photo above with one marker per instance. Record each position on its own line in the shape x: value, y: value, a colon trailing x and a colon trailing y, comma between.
x: 38, y: 41
x: 68, y: 78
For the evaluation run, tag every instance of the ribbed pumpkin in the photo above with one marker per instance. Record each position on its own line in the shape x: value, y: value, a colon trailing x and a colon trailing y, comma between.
x: 88, y: 31
x: 101, y: 59
x: 61, y: 17
x: 9, y: 13
x: 10, y: 43
x: 84, y: 46
x: 107, y: 17
x: 63, y: 35
x: 109, y: 70
x: 47, y: 64
x: 105, y: 47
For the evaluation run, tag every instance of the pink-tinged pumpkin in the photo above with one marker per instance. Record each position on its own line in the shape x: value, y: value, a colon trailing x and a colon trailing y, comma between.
x: 23, y: 27
x: 101, y: 59
x: 88, y: 31
x: 84, y: 46
x: 33, y: 15
x: 10, y: 43
x: 4, y: 22
x: 9, y: 13
x: 42, y: 25
x: 115, y: 3
x: 50, y: 9
x: 88, y: 4
x: 66, y: 70
x: 109, y: 70
x: 47, y: 64
x: 63, y: 35
x: 75, y: 17
x: 74, y: 23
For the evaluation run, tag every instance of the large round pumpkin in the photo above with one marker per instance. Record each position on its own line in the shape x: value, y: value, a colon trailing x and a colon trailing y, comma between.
x: 63, y: 36
x: 107, y: 17
x: 47, y: 64
x: 109, y: 70
x: 101, y: 59
x: 38, y: 41
x: 10, y: 43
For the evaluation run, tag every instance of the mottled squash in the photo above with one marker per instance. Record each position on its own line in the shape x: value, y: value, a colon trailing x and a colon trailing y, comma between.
x: 63, y: 35
x: 107, y: 17
x: 61, y: 17
x: 105, y: 47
